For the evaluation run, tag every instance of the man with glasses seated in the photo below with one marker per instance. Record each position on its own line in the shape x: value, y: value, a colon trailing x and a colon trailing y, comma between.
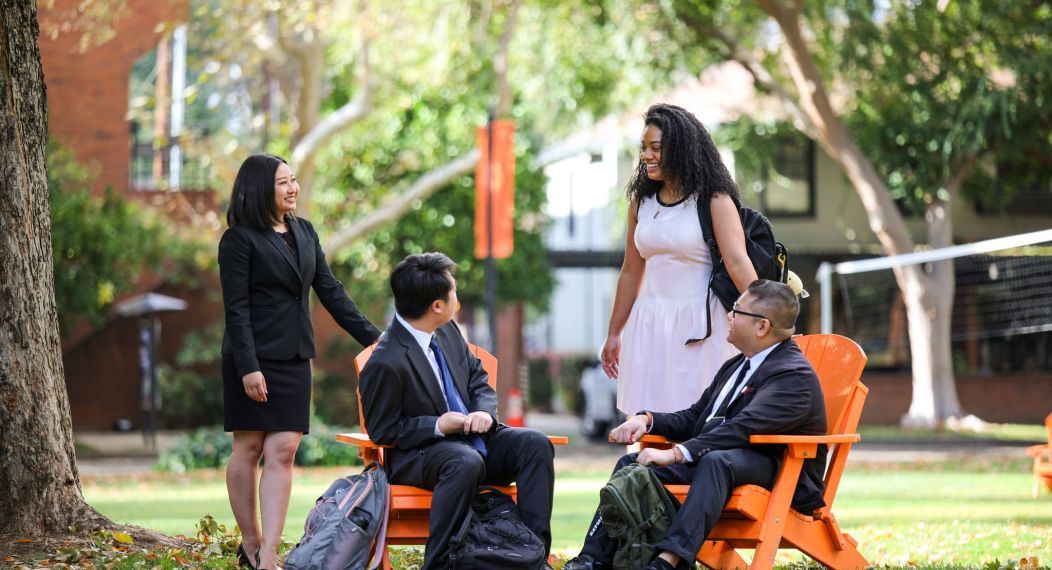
x: 770, y: 388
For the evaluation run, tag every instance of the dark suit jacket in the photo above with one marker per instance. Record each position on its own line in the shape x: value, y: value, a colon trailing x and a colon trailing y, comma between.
x: 783, y: 396
x: 401, y: 397
x: 266, y: 295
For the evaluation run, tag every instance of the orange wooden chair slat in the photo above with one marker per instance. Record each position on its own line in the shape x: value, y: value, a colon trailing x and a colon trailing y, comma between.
x: 411, y: 506
x: 763, y: 520
x: 1042, y: 456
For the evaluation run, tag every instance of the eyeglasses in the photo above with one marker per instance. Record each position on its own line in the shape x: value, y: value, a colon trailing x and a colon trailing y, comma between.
x: 736, y: 311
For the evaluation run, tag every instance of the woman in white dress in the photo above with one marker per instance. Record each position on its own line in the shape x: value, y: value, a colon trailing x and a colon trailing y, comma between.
x: 663, y: 286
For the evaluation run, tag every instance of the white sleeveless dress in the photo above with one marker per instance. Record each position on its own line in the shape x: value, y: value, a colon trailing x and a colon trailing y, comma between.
x: 657, y: 371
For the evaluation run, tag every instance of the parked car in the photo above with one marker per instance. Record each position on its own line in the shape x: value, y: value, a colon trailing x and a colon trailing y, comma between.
x: 600, y: 413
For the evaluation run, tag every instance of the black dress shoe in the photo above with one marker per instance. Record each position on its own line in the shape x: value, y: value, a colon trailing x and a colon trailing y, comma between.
x: 243, y: 560
x: 583, y: 562
x: 661, y: 564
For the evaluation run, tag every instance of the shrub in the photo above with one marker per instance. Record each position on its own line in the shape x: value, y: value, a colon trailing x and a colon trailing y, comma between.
x: 205, y: 448
x: 192, y: 390
x: 101, y: 244
x: 210, y: 447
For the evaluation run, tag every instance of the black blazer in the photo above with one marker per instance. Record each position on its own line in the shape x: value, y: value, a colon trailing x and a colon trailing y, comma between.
x: 401, y: 397
x: 783, y: 396
x: 266, y: 295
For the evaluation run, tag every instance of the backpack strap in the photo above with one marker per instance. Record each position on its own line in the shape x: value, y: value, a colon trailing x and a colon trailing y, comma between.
x: 379, y: 546
x: 709, y: 235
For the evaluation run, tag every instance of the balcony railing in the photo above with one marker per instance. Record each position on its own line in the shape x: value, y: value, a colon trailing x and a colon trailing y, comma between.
x: 151, y: 169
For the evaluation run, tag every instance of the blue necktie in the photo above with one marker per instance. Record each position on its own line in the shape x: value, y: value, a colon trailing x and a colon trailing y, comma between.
x: 453, y: 397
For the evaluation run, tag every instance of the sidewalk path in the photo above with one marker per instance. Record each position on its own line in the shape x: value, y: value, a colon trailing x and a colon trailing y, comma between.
x: 114, y: 453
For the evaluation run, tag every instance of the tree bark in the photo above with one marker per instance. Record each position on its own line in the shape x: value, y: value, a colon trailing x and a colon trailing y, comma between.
x: 39, y: 484
x: 927, y: 291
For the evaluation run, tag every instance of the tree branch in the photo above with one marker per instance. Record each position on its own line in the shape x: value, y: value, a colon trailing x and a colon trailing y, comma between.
x: 440, y: 177
x: 396, y: 207
x: 763, y: 78
x: 350, y: 113
x: 831, y: 133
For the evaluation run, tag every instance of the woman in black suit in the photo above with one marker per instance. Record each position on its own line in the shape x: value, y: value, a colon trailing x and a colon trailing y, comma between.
x: 268, y: 262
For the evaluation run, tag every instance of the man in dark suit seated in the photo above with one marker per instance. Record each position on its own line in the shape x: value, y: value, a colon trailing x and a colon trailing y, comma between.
x: 768, y: 389
x: 425, y: 393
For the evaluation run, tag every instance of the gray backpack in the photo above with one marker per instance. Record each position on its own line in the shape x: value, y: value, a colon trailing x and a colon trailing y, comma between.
x: 347, y: 526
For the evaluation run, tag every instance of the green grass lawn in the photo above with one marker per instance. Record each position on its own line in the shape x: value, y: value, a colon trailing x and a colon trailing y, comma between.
x: 957, y: 514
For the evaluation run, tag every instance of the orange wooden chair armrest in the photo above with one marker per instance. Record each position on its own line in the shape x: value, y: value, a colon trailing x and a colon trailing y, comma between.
x: 803, y: 446
x: 842, y: 438
x: 362, y: 440
x: 1038, y: 450
x: 807, y: 439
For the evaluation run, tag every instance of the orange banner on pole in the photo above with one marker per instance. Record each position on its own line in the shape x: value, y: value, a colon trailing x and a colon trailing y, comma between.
x: 495, y: 190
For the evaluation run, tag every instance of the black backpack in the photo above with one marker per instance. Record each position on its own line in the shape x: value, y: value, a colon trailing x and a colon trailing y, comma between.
x: 770, y: 258
x: 494, y: 536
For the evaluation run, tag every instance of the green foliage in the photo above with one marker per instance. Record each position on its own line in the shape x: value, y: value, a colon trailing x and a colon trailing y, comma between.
x: 101, y: 245
x: 204, y: 448
x: 568, y: 63
x: 210, y: 447
x: 335, y: 397
x: 756, y: 145
x: 192, y: 390
x: 935, y: 89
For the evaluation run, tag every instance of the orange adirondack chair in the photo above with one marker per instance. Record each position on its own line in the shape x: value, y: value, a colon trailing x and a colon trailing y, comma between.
x: 761, y: 519
x: 1042, y: 454
x: 410, y: 506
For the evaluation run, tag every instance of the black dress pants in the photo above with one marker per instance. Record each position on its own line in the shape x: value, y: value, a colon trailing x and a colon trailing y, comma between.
x: 453, y: 470
x: 712, y: 479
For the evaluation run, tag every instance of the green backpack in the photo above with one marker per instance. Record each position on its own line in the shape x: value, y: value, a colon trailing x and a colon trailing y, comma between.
x: 637, y: 511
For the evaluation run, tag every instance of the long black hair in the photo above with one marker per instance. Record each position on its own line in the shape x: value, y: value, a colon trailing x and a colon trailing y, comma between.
x: 689, y: 158
x: 252, y: 198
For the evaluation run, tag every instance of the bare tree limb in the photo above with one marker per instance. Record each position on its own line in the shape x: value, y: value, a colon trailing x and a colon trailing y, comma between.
x: 305, y: 151
x: 396, y: 207
x: 763, y: 78
x: 440, y: 177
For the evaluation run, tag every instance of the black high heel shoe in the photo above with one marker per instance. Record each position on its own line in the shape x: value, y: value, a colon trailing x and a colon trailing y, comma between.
x: 243, y: 561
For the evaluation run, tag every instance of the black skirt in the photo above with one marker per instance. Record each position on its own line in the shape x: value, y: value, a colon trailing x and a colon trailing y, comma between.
x: 288, y: 397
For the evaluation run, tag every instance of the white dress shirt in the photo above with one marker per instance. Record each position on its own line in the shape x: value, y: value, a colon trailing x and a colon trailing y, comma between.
x: 424, y: 340
x: 754, y: 363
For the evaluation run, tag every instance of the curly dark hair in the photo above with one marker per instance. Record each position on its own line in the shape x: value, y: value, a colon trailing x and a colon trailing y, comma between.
x: 689, y: 158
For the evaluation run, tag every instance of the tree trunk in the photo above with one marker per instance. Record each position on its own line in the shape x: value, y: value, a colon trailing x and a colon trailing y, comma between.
x: 928, y: 291
x: 39, y: 484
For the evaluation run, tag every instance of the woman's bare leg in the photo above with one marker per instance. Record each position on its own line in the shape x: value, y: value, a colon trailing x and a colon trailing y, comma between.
x: 275, y: 487
x: 241, y: 486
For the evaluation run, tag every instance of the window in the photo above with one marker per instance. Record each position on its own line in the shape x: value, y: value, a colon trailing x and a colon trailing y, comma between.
x: 785, y: 183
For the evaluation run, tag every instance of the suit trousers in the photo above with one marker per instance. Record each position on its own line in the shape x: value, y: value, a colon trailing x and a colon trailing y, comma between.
x: 712, y: 479
x: 453, y: 470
